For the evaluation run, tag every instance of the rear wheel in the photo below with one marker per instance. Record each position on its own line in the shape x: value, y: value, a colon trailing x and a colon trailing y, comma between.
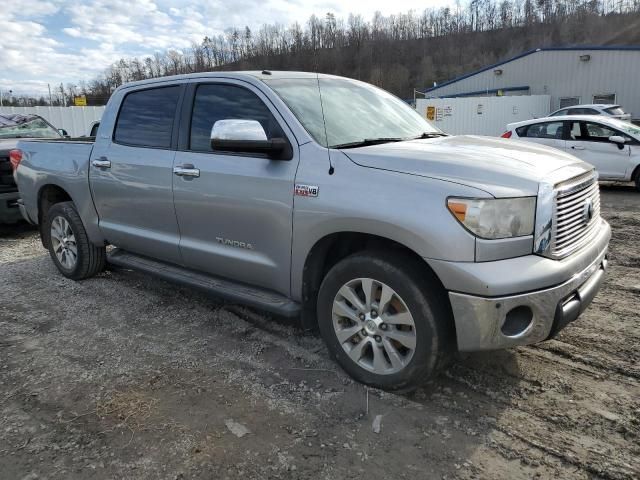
x: 384, y: 321
x: 68, y: 243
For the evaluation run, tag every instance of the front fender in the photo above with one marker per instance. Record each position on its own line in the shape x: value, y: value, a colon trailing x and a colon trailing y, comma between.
x: 407, y: 209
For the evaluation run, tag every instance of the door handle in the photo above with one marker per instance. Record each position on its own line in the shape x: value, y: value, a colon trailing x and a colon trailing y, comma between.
x: 577, y: 147
x: 102, y: 162
x: 186, y: 170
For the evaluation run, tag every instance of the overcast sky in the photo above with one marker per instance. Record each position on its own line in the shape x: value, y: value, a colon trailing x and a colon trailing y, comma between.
x: 53, y: 41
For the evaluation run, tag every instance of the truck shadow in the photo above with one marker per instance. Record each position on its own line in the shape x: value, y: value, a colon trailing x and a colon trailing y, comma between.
x: 16, y: 231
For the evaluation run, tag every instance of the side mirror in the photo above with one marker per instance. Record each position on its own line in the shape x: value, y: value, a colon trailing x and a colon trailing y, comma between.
x: 63, y: 132
x: 247, y: 136
x: 620, y: 140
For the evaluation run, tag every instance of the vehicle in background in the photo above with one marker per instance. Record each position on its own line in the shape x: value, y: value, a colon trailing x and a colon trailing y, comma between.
x: 93, y: 129
x: 327, y: 198
x: 609, y: 144
x: 13, y: 127
x: 609, y: 110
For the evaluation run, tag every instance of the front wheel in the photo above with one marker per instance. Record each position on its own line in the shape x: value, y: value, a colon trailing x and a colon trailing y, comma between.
x: 69, y: 246
x: 384, y: 321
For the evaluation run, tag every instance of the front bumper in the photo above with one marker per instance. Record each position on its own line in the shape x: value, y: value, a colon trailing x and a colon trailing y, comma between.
x: 496, y: 322
x: 9, y: 209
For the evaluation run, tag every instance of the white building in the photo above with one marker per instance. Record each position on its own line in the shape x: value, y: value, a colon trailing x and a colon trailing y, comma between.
x: 569, y: 75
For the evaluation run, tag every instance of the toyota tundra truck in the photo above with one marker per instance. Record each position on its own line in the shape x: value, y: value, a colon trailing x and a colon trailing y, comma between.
x: 330, y: 200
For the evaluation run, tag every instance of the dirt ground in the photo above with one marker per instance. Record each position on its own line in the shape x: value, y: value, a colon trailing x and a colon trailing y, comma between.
x: 126, y: 376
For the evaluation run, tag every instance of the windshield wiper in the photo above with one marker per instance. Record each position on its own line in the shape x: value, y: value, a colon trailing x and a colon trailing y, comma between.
x: 431, y: 135
x: 369, y: 141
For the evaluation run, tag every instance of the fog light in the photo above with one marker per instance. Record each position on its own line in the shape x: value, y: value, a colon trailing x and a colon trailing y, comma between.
x: 517, y: 321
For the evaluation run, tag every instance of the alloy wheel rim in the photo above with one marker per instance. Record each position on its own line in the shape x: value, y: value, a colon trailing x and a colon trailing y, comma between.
x: 374, y: 326
x: 64, y: 243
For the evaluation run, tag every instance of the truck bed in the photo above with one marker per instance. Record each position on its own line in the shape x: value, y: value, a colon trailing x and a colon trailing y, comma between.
x: 60, y: 162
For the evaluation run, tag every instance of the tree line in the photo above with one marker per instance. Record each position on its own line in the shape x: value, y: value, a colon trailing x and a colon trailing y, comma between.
x: 396, y: 52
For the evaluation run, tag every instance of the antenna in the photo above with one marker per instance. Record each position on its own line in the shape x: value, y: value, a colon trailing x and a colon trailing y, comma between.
x: 331, y: 169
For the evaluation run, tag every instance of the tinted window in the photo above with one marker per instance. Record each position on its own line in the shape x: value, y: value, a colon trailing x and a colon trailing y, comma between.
x: 227, y: 102
x: 559, y: 113
x: 583, y: 111
x: 146, y: 117
x: 544, y: 130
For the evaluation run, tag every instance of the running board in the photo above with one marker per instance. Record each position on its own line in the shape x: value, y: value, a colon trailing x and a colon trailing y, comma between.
x: 219, y: 287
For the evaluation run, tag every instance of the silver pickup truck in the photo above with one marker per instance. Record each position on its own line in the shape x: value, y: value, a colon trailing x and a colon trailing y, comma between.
x: 329, y: 199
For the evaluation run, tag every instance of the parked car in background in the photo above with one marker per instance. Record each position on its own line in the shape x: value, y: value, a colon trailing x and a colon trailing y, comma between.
x: 609, y: 144
x: 13, y: 127
x: 327, y: 198
x: 609, y: 110
x: 93, y: 129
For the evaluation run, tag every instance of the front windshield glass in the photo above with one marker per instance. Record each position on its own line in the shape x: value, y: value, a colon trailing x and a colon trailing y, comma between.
x: 353, y: 111
x: 25, y: 126
x: 626, y: 127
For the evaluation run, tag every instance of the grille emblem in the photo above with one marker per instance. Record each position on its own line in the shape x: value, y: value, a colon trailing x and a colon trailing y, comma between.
x: 587, y: 211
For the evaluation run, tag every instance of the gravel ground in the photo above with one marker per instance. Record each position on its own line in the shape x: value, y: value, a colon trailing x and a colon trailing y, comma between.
x: 126, y: 376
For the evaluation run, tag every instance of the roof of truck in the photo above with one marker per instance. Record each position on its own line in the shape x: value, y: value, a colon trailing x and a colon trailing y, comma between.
x: 239, y: 74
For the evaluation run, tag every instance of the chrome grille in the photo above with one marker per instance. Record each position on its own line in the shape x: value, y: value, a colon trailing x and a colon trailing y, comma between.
x: 572, y: 228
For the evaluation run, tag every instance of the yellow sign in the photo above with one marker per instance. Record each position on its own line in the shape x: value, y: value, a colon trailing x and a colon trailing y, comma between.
x: 431, y: 113
x: 80, y: 101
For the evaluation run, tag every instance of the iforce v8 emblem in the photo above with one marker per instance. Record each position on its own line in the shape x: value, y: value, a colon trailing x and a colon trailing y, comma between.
x: 306, y: 190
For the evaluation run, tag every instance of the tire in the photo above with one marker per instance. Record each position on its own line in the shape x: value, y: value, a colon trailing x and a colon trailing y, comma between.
x: 385, y: 362
x: 68, y: 243
x: 637, y: 180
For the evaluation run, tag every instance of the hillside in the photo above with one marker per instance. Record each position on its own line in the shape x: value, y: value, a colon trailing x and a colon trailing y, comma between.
x: 397, y: 52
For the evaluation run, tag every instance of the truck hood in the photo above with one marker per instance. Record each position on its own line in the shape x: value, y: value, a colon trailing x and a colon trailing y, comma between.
x: 500, y: 167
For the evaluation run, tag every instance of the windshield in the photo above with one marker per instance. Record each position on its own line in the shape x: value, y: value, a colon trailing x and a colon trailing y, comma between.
x: 353, y: 112
x: 26, y: 126
x: 626, y: 127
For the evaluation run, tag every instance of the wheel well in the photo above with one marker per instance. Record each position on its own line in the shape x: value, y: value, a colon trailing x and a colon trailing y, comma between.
x: 636, y: 174
x: 328, y: 251
x: 49, y: 195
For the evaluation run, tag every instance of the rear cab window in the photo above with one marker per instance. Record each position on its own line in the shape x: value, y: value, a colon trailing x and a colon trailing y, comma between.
x: 146, y: 117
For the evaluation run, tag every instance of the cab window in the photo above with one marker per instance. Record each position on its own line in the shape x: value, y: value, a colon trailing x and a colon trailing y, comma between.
x: 215, y: 102
x: 146, y: 117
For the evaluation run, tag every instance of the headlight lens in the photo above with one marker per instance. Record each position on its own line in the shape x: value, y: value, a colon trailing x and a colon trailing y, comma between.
x: 495, y: 218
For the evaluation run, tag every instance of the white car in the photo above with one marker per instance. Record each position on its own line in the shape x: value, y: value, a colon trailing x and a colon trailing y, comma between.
x: 607, y: 109
x: 609, y: 144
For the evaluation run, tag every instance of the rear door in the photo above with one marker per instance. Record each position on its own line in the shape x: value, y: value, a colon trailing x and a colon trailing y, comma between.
x: 236, y: 216
x: 546, y: 133
x: 590, y: 142
x: 131, y: 174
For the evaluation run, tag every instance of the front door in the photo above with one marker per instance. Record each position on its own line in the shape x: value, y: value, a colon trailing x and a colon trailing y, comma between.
x: 589, y: 141
x: 235, y: 216
x: 131, y: 175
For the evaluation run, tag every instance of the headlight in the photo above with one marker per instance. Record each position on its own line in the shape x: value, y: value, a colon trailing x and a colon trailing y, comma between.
x: 495, y: 218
